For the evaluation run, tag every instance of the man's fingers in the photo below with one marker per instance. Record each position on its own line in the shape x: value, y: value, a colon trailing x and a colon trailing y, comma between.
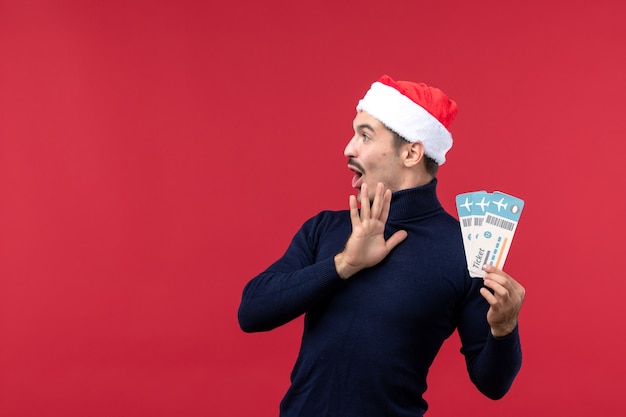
x: 487, y: 295
x: 396, y: 238
x: 354, y: 210
x: 502, y: 283
x: 506, y: 291
x: 497, y: 278
x: 386, y: 204
x: 365, y: 202
x: 498, y: 288
x: 377, y: 206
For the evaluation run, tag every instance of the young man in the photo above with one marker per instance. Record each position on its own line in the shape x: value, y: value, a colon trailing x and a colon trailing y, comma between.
x: 383, y: 287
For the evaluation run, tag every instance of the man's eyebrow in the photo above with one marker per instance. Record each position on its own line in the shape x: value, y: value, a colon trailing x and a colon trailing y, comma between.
x: 364, y: 126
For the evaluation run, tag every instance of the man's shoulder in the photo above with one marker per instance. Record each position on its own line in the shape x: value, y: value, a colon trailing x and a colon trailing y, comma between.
x: 326, y: 218
x: 327, y: 230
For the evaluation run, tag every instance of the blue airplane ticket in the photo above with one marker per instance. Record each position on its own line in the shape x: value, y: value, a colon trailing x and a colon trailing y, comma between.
x: 488, y: 224
x: 471, y: 217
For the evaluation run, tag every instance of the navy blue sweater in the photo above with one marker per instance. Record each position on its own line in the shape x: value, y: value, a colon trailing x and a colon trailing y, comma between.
x: 369, y: 341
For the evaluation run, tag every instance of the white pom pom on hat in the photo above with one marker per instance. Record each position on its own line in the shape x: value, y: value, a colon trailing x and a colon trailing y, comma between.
x: 415, y: 111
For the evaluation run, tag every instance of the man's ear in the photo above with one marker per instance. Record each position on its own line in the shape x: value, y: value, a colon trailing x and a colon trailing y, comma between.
x: 415, y: 153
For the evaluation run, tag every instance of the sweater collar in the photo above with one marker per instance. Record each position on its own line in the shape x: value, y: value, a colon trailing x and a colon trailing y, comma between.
x: 414, y: 202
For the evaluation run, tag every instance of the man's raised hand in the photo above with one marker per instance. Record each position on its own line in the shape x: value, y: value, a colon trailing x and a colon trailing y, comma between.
x: 366, y: 245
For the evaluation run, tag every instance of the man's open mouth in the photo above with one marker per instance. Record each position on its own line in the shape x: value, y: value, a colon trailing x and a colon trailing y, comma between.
x: 358, y: 173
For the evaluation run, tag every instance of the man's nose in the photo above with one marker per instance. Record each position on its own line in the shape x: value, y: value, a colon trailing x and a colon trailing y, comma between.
x: 350, y: 151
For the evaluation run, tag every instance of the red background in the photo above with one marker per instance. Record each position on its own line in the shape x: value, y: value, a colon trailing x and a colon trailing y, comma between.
x: 155, y: 155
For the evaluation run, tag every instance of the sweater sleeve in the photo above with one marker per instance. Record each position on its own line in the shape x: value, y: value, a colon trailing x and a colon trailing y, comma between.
x: 492, y: 363
x: 290, y: 286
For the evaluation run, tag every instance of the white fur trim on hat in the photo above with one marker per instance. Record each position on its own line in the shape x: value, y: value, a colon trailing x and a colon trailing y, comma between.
x: 408, y: 119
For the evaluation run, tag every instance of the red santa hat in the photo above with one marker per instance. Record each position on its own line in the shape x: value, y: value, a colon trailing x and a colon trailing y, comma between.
x: 415, y: 111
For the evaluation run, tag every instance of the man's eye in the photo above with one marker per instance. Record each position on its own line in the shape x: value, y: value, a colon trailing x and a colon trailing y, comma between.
x: 366, y: 137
